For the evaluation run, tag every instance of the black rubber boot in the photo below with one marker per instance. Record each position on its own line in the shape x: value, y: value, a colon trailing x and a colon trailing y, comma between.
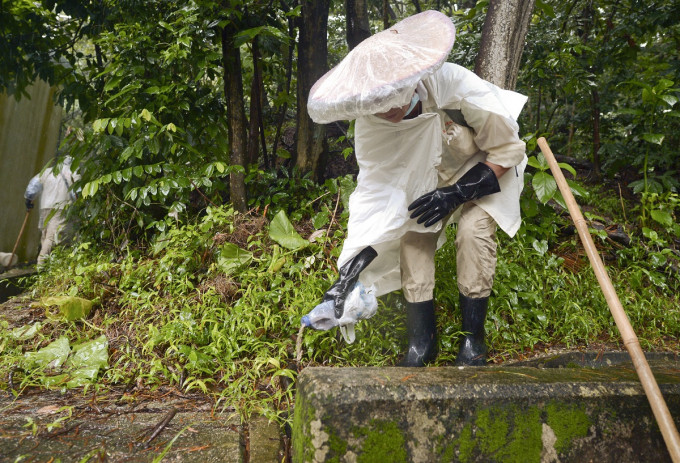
x: 472, y: 346
x: 422, y: 334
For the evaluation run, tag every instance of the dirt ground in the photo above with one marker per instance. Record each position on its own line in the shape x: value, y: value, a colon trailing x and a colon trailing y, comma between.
x: 124, y: 424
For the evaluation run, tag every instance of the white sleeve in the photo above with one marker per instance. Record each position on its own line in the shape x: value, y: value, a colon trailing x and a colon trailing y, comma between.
x: 498, y: 137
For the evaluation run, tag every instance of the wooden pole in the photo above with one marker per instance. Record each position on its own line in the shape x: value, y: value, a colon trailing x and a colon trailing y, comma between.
x: 21, y: 232
x: 630, y: 340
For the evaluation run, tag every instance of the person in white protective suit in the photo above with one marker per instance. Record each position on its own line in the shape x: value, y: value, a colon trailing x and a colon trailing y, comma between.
x: 56, y: 193
x: 434, y: 143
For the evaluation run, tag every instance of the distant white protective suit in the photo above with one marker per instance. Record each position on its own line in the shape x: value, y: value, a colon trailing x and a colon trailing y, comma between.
x: 56, y: 192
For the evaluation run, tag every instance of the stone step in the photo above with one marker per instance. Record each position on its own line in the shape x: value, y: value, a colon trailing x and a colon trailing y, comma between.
x: 578, y: 408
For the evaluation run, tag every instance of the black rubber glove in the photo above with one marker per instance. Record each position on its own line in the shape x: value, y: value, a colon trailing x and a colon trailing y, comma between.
x: 434, y: 206
x: 29, y: 204
x: 349, y: 274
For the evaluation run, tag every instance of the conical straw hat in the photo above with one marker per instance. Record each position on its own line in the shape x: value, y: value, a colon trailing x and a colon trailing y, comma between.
x: 382, y: 71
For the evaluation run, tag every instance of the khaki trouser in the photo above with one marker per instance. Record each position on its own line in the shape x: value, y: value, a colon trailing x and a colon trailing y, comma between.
x: 53, y: 232
x: 475, y: 257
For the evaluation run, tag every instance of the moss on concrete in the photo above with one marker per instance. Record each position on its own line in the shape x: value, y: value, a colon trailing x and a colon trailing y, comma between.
x: 338, y: 448
x: 568, y: 422
x: 304, y: 414
x: 492, y: 429
x: 465, y: 444
x: 381, y: 441
x: 514, y: 434
x: 524, y: 442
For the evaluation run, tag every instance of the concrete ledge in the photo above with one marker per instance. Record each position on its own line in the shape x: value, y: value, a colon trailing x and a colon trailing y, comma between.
x: 509, y: 414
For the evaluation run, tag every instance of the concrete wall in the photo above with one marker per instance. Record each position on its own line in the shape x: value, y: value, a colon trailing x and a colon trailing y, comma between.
x: 29, y: 133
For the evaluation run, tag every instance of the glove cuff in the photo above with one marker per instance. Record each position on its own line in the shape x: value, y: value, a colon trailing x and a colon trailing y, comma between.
x: 476, y: 183
x: 349, y: 274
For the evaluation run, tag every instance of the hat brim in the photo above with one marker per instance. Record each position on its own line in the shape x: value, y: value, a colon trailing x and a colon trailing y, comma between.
x: 382, y: 71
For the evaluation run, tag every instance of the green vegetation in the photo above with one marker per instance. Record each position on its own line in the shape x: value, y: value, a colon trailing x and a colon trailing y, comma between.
x: 190, y: 292
x: 214, y: 306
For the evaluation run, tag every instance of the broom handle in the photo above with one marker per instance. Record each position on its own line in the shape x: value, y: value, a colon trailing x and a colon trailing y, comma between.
x: 630, y: 340
x: 21, y: 232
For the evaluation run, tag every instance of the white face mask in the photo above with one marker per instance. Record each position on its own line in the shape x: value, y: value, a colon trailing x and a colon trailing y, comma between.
x: 414, y: 102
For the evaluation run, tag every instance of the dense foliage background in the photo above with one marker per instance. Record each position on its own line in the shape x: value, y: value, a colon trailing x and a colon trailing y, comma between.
x: 174, y: 102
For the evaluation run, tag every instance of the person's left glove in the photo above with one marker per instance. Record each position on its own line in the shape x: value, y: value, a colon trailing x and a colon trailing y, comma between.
x: 29, y: 204
x: 349, y: 274
x: 477, y: 182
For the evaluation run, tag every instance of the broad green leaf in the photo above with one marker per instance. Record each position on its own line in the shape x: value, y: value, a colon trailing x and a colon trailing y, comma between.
x: 86, y: 360
x: 546, y: 8
x: 164, y: 188
x: 576, y: 189
x: 87, y: 190
x: 347, y: 186
x: 656, y: 138
x: 25, y: 332
x: 112, y: 83
x: 544, y: 186
x: 282, y: 231
x: 559, y: 199
x: 117, y: 177
x: 529, y: 206
x: 53, y: 355
x: 662, y: 217
x: 71, y: 308
x: 670, y: 99
x: 320, y: 219
x: 567, y: 167
x: 232, y: 257
x: 650, y: 234
x: 538, y: 162
x: 540, y: 246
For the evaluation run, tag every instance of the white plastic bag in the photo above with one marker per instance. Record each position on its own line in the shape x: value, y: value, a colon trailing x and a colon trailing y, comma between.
x: 361, y: 304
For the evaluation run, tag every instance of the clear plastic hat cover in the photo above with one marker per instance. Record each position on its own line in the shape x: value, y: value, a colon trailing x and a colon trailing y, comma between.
x: 382, y: 71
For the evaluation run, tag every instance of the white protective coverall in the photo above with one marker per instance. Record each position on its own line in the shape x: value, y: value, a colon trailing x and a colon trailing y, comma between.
x: 56, y: 193
x: 401, y: 161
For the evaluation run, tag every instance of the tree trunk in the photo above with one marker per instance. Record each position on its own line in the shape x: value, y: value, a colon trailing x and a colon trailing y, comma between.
x: 236, y: 116
x: 388, y: 14
x: 312, y: 64
x: 358, y: 29
x: 255, y: 106
x: 289, y: 78
x: 595, y: 96
x: 500, y: 51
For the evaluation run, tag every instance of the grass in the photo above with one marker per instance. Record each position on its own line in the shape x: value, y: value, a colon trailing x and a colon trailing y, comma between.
x: 214, y: 307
